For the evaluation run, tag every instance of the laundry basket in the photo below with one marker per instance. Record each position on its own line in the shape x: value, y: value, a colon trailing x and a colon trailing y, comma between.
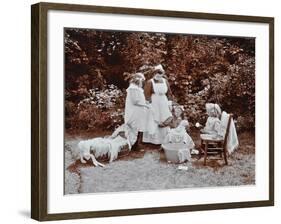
x: 176, y: 152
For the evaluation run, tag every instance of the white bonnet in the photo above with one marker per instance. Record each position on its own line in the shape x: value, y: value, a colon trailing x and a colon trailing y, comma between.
x: 137, y: 76
x: 213, y: 107
x: 159, y: 68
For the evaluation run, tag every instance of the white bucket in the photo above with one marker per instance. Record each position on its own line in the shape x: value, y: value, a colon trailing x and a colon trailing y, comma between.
x: 176, y: 152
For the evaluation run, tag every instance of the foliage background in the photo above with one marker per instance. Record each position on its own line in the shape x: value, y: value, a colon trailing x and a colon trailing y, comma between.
x: 199, y: 68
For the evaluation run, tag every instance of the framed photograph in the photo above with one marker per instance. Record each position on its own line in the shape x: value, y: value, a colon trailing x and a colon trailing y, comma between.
x: 140, y: 111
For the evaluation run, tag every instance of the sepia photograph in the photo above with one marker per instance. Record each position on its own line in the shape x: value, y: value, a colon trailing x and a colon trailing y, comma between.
x: 157, y: 111
x: 143, y: 111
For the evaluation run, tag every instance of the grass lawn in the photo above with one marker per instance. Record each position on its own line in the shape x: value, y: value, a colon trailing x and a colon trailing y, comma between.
x: 148, y: 169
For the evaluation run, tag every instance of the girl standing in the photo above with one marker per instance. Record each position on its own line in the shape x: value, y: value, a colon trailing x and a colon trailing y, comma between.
x: 157, y: 91
x: 136, y: 107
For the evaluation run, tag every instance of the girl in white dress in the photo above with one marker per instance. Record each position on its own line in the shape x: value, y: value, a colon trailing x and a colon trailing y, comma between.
x: 157, y: 88
x: 213, y: 124
x: 136, y: 107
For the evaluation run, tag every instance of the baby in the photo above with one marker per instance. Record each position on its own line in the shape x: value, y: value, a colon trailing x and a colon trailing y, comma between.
x: 179, y: 126
x: 213, y: 124
x: 179, y: 143
x: 179, y: 135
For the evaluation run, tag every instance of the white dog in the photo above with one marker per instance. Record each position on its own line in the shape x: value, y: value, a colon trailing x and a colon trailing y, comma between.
x: 97, y: 147
x: 85, y: 148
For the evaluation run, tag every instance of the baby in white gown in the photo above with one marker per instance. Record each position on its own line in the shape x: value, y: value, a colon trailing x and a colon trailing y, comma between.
x: 178, y: 140
x: 178, y: 128
x: 179, y: 135
x: 213, y: 124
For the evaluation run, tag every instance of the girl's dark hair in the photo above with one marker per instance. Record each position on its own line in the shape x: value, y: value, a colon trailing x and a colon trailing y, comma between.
x: 176, y: 105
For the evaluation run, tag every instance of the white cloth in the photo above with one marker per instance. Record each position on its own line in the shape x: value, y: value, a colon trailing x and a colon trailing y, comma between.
x: 158, y: 113
x: 184, y: 155
x: 232, y: 140
x: 135, y: 115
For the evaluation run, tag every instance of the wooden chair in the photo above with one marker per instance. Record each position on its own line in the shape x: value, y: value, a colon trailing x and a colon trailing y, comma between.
x: 211, y: 145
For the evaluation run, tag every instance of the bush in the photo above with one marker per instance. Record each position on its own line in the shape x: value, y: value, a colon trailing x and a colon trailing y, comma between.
x: 101, y: 109
x: 200, y: 69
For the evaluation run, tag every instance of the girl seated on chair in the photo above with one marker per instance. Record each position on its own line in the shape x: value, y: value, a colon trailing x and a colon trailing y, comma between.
x: 213, y: 124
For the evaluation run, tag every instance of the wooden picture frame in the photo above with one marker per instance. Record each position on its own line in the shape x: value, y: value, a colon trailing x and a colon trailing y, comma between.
x: 39, y: 108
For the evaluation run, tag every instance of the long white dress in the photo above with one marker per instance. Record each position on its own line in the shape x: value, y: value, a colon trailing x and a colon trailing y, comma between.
x: 212, y: 126
x: 135, y: 115
x: 158, y: 113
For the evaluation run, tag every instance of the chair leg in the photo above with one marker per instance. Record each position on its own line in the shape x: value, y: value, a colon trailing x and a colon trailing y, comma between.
x: 225, y: 156
x: 205, y: 153
x: 201, y: 151
x: 199, y: 156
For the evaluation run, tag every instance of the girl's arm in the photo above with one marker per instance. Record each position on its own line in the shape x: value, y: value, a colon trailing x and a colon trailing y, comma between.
x: 166, y: 123
x: 137, y: 99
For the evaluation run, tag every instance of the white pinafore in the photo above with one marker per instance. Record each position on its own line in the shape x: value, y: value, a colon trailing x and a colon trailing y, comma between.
x: 159, y: 112
x: 159, y: 101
